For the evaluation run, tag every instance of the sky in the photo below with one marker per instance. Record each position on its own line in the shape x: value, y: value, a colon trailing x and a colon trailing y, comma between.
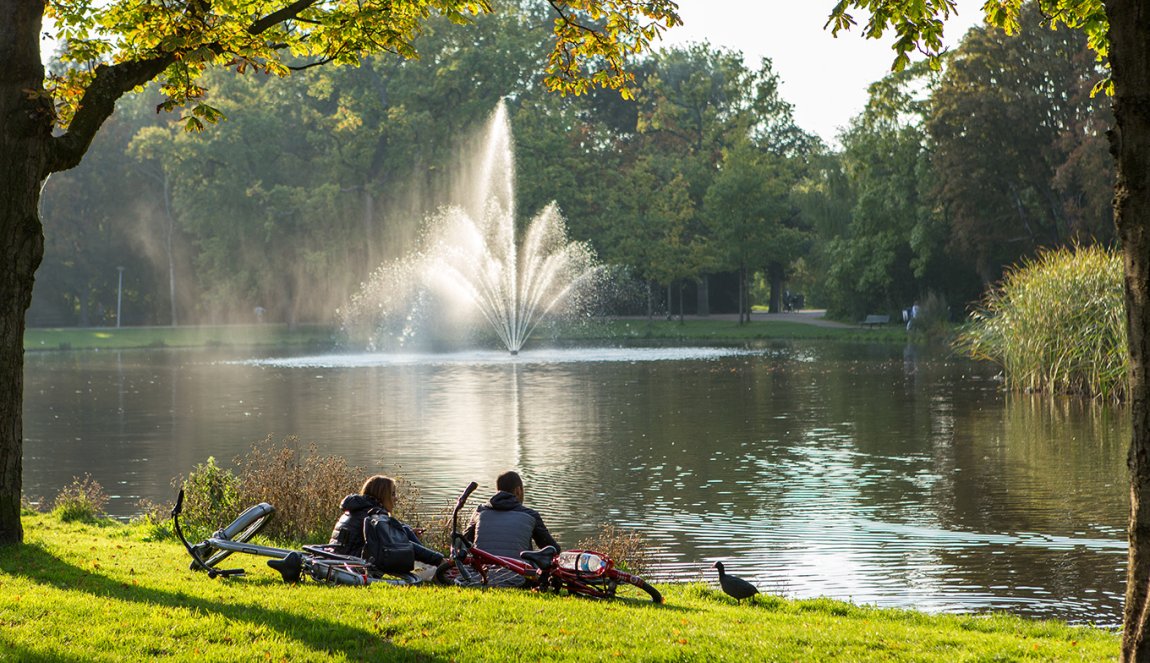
x: 825, y: 78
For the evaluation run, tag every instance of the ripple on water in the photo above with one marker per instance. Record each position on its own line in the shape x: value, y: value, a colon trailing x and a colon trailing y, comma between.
x: 491, y: 357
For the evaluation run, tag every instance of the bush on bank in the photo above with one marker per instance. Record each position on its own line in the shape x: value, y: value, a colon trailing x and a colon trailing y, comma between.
x: 104, y: 592
x: 1056, y: 324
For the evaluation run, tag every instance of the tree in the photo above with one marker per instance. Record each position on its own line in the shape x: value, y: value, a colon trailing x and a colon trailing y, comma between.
x: 1008, y: 113
x: 751, y: 218
x: 698, y: 103
x: 870, y: 260
x: 117, y: 46
x: 1119, y: 32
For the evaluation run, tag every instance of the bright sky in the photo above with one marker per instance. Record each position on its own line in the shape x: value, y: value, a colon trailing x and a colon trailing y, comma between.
x: 825, y: 78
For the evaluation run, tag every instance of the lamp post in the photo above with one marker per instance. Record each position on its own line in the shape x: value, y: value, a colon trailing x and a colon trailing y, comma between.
x: 119, y: 295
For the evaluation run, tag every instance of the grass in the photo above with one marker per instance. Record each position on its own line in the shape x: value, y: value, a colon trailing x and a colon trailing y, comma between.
x: 103, y: 592
x: 319, y: 337
x: 113, y: 338
x: 717, y: 330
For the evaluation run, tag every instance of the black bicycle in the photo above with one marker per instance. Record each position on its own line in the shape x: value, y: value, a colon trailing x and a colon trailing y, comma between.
x: 318, y: 562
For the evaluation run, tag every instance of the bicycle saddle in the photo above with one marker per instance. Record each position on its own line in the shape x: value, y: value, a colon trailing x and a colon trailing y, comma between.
x: 289, y: 567
x: 542, y: 558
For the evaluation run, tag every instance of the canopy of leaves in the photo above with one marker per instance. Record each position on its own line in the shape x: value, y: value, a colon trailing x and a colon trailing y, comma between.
x: 182, y: 39
x: 918, y: 24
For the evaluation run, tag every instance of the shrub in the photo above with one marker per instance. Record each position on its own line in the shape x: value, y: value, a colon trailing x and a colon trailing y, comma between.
x: 30, y: 505
x: 154, y: 520
x: 211, y: 499
x: 1056, y: 324
x: 304, y: 488
x: 627, y: 548
x: 435, y: 530
x: 932, y: 324
x: 82, y: 500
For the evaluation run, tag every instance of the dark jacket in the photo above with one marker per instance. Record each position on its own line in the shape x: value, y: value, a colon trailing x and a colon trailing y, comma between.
x: 348, y: 536
x: 505, y: 527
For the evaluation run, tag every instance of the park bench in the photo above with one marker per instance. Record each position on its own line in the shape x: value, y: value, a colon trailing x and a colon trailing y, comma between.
x: 873, y: 320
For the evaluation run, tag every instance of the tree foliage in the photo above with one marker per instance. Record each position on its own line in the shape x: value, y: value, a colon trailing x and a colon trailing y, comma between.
x: 1016, y: 117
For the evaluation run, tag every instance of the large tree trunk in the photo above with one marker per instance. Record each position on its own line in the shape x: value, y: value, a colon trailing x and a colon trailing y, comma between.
x: 25, y: 127
x: 1130, y: 144
x: 776, y: 275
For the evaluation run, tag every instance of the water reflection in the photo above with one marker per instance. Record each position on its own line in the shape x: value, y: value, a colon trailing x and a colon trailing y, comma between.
x: 882, y: 475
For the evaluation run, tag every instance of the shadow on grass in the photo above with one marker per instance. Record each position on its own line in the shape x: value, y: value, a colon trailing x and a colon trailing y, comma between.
x: 16, y: 653
x: 36, y: 564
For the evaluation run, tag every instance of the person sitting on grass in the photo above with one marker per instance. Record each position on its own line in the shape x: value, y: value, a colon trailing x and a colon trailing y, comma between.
x: 393, y: 545
x: 504, y: 526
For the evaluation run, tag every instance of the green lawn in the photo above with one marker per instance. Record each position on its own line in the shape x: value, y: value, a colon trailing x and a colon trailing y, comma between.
x: 702, y: 330
x: 112, y: 338
x: 77, y: 592
x: 693, y: 330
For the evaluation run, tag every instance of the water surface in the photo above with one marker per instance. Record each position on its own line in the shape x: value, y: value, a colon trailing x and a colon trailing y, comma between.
x: 877, y: 474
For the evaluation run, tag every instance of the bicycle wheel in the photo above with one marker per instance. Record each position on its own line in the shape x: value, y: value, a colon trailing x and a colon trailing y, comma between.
x: 446, y: 573
x: 626, y: 586
x: 247, y: 525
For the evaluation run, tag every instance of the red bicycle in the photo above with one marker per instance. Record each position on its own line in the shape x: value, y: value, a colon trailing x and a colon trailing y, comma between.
x: 580, y: 572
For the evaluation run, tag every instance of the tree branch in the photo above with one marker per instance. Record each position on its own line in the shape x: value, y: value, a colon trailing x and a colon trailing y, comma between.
x: 98, y: 103
x: 114, y: 81
x: 275, y: 18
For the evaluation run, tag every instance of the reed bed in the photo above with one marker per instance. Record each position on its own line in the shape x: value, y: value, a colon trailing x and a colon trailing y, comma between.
x: 1056, y: 324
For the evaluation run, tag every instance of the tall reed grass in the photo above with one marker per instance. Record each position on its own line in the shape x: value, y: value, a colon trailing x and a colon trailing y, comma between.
x: 1056, y: 324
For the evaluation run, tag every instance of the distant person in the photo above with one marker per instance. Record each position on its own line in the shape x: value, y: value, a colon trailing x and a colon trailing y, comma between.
x: 504, y: 526
x: 350, y: 536
x: 913, y: 315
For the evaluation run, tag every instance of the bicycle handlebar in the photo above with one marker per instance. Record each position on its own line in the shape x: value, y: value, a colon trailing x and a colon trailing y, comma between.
x: 467, y: 492
x: 459, y: 504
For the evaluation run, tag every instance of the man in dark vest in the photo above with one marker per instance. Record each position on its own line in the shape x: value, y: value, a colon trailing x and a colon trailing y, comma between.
x: 504, y: 526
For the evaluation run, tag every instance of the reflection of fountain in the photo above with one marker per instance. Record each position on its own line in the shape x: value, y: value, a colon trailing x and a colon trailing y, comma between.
x: 470, y: 261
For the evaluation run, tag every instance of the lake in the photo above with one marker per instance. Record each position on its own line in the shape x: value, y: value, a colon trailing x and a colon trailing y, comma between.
x: 872, y: 473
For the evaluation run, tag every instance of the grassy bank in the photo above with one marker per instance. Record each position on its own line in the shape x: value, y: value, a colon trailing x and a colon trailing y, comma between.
x: 693, y: 330
x: 721, y: 330
x: 112, y: 338
x: 77, y: 592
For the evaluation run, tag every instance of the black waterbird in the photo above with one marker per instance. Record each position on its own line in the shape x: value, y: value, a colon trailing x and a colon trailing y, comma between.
x: 734, y: 586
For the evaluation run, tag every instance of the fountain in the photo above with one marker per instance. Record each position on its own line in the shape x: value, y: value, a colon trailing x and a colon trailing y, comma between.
x: 470, y: 265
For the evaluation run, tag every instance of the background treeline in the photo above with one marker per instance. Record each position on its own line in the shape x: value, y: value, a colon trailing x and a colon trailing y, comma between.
x: 704, y: 187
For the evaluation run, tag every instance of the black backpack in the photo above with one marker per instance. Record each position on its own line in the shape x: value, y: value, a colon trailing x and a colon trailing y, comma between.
x: 386, y: 546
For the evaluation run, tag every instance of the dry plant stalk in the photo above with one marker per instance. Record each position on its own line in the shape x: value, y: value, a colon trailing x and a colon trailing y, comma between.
x: 627, y: 548
x: 304, y: 487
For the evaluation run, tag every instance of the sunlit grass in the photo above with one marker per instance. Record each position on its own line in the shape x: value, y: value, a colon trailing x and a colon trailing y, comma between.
x: 1057, y: 324
x: 102, y: 592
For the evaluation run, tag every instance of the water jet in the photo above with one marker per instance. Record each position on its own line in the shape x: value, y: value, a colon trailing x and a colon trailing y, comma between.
x: 472, y: 264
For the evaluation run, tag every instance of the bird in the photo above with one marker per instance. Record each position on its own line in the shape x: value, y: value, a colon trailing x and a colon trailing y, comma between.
x: 735, y: 586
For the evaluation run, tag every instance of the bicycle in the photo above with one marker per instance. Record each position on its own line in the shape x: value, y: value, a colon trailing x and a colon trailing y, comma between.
x: 580, y: 572
x: 319, y: 562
